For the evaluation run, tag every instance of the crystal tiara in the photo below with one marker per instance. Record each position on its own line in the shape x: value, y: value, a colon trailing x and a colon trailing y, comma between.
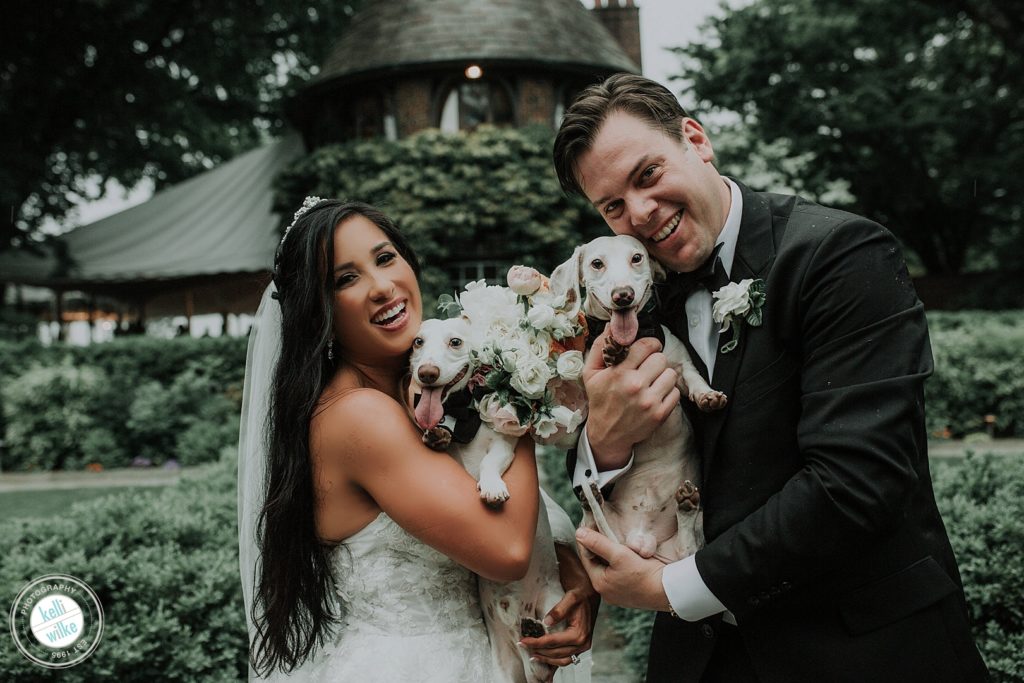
x: 307, y: 204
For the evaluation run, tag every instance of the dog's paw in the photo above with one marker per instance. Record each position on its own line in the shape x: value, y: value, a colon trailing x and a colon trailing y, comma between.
x: 493, y: 491
x: 531, y: 628
x: 613, y: 352
x: 710, y: 401
x: 688, y: 496
x: 437, y: 438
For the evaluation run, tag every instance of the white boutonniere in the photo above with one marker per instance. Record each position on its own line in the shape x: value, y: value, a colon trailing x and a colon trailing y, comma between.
x: 736, y: 303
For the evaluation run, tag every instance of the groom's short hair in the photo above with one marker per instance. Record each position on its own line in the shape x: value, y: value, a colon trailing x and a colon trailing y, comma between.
x: 645, y: 99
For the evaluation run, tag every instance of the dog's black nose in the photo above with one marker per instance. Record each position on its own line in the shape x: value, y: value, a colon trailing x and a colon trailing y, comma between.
x: 428, y: 374
x: 622, y: 296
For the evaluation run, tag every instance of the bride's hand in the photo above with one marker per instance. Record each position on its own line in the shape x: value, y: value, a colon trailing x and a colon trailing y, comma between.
x: 578, y: 609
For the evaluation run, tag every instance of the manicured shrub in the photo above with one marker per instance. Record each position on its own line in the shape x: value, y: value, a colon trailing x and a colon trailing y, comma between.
x: 172, y: 421
x: 982, y: 503
x: 140, y: 397
x: 979, y: 371
x: 204, y: 439
x: 165, y: 567
x: 16, y: 356
x: 489, y: 195
x: 162, y: 360
x: 48, y: 413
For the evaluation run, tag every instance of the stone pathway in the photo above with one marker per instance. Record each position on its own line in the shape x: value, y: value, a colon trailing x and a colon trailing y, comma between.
x: 957, y: 449
x: 41, y: 481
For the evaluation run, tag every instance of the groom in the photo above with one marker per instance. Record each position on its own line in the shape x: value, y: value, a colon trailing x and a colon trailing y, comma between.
x: 826, y: 558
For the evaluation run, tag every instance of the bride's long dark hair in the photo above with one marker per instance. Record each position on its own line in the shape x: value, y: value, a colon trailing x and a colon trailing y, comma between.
x: 293, y: 610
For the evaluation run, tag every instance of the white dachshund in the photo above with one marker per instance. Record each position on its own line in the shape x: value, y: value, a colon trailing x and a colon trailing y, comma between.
x: 442, y: 365
x: 655, y: 507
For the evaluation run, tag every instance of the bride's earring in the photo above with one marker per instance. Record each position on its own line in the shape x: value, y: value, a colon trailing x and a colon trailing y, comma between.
x: 330, y: 350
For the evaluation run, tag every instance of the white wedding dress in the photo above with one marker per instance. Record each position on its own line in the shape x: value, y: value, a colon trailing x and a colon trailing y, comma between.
x: 410, y: 613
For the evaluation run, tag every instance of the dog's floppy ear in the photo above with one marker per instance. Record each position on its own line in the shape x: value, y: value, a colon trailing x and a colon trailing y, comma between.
x: 658, y: 272
x: 565, y: 281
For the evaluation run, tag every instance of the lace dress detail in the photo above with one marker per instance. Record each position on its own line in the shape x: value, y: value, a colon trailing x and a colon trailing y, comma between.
x: 410, y: 613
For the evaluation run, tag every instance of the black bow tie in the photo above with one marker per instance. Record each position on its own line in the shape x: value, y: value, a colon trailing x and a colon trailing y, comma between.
x: 710, y: 275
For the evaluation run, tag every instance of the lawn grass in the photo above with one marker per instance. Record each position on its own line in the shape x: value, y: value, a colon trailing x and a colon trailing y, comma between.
x: 52, y: 502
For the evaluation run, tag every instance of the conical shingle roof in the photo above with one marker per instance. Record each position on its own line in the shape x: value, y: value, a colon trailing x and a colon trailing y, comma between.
x: 389, y: 34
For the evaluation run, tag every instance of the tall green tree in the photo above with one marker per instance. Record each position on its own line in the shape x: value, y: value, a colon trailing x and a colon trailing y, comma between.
x: 131, y: 89
x: 916, y: 107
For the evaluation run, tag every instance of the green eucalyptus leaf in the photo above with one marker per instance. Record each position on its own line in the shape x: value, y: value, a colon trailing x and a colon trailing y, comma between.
x: 448, y: 307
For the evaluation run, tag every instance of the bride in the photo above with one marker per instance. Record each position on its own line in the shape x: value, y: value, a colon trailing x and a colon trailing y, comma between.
x: 359, y: 546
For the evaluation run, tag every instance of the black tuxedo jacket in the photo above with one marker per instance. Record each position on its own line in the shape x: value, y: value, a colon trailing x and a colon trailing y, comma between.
x: 823, y: 537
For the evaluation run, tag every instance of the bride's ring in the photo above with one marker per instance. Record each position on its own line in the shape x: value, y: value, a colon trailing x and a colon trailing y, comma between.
x: 575, y: 659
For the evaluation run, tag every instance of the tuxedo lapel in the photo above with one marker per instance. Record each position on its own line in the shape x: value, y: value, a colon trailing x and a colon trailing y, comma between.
x: 755, y: 250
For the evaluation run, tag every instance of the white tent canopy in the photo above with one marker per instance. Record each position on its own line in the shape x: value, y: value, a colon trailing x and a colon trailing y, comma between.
x: 217, y: 224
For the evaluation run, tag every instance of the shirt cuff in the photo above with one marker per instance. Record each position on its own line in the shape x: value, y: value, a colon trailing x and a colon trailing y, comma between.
x: 586, y: 468
x: 562, y: 529
x: 686, y: 591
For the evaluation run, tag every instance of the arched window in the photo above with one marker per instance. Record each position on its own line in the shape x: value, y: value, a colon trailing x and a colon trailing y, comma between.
x: 564, y: 97
x: 469, y: 103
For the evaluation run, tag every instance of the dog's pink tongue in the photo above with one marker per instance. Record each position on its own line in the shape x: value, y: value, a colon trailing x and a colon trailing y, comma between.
x: 429, y: 410
x: 624, y: 326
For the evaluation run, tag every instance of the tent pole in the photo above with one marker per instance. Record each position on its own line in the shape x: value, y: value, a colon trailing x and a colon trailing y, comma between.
x: 59, y: 313
x: 189, y: 308
x: 92, y: 318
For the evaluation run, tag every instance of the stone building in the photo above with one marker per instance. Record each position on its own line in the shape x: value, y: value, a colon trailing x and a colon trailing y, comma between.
x: 405, y: 65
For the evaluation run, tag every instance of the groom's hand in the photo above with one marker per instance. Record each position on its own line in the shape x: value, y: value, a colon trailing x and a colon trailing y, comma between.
x: 626, y: 402
x: 620, y: 575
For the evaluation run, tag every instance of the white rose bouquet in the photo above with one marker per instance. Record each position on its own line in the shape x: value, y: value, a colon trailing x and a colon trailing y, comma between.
x: 529, y: 355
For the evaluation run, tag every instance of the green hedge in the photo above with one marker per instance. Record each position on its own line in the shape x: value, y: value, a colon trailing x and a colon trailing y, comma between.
x: 489, y: 194
x: 979, y: 371
x: 52, y: 422
x: 982, y: 502
x: 164, y: 565
x: 62, y: 407
x: 65, y: 406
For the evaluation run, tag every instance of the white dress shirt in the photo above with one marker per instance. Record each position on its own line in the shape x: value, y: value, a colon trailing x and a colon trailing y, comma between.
x: 689, y: 596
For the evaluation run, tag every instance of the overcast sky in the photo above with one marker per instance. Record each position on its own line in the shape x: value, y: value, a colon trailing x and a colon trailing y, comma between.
x: 670, y: 23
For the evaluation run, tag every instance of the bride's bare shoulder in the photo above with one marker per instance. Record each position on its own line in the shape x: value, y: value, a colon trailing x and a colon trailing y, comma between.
x: 353, y: 420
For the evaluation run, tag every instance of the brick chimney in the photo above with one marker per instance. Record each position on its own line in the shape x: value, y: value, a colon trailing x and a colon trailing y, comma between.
x: 622, y: 19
